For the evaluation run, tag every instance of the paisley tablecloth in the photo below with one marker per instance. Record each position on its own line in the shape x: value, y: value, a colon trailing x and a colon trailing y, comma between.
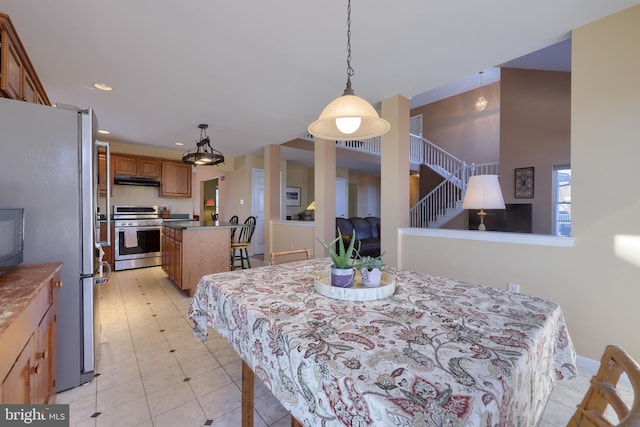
x: 439, y: 352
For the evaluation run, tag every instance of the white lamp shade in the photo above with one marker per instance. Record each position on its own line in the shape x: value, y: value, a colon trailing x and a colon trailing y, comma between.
x: 345, y: 106
x: 483, y: 192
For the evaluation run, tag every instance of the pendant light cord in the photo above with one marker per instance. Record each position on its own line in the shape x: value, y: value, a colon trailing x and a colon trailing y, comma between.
x: 350, y: 72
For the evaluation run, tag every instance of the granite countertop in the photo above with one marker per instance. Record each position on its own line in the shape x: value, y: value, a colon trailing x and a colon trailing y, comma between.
x: 189, y: 225
x: 19, y: 285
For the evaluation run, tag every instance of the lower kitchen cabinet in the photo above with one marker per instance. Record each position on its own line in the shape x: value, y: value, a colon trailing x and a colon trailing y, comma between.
x: 28, y: 335
x: 108, y: 250
x: 190, y: 253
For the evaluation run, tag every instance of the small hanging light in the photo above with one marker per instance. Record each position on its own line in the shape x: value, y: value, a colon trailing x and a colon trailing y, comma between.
x: 203, y: 154
x: 481, y: 103
x: 348, y: 116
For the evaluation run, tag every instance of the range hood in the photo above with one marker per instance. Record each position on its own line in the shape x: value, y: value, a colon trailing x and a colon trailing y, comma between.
x: 134, y: 180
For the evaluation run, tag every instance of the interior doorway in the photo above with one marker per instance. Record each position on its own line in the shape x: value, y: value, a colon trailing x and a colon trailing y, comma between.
x: 210, y: 199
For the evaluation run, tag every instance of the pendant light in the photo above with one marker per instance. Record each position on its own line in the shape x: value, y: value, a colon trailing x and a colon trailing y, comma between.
x: 203, y: 154
x: 481, y: 103
x: 348, y: 117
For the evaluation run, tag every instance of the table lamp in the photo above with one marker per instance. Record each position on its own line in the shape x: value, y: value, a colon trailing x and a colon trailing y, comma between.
x: 483, y: 192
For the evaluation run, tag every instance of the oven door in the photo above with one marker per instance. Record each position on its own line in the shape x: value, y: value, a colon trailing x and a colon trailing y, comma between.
x: 137, y: 242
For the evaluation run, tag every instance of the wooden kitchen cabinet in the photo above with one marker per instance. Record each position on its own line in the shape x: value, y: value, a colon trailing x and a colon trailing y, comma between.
x: 28, y: 334
x: 108, y: 250
x: 143, y: 167
x: 18, y: 79
x: 175, y: 180
x: 172, y: 254
x: 190, y: 253
x: 102, y: 174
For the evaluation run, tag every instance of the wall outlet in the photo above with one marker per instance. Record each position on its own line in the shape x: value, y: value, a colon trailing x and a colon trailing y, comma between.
x: 513, y: 287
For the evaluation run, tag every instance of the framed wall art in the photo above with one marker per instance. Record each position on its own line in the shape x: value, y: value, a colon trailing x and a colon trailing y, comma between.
x: 524, y: 181
x: 293, y: 196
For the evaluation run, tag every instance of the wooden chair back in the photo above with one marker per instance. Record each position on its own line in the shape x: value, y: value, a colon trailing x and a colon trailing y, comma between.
x: 246, y: 233
x: 290, y: 256
x: 233, y: 220
x: 603, y: 392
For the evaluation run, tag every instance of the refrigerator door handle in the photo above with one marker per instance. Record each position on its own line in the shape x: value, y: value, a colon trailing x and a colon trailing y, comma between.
x: 107, y: 148
x: 102, y: 273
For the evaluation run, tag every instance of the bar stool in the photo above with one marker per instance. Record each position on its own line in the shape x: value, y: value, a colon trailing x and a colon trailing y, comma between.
x: 240, y: 247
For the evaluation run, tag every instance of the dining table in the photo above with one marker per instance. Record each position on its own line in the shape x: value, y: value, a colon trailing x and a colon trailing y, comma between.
x: 436, y: 352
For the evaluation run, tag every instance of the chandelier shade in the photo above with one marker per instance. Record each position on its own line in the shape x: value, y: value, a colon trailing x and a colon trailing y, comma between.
x: 348, y: 117
x: 345, y: 107
x: 203, y: 154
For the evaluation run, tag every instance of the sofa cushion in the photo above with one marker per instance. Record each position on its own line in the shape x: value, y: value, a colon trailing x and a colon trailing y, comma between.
x: 374, y: 224
x: 362, y: 227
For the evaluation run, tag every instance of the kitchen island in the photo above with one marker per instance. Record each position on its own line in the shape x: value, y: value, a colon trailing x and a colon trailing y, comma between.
x: 192, y: 249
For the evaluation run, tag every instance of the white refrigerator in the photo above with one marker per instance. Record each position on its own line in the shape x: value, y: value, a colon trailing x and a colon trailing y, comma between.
x: 48, y: 166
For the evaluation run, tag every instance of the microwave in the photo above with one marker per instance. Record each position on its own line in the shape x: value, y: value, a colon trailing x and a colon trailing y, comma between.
x: 11, y: 236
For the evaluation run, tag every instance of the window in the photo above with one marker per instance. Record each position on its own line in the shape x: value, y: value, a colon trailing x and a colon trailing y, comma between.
x: 562, y: 201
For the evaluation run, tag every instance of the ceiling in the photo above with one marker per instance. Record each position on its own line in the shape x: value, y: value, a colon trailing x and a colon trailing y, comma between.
x: 258, y: 72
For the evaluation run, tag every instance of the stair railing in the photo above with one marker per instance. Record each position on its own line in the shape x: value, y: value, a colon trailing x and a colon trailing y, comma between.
x: 421, y: 150
x: 445, y: 200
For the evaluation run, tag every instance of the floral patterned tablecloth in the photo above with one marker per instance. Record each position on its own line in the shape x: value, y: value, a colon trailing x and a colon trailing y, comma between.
x: 439, y: 352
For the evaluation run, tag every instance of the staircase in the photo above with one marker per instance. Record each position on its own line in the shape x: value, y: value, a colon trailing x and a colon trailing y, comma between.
x: 444, y: 202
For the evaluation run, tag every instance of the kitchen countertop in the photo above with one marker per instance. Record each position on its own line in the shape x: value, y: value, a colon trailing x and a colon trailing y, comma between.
x: 19, y: 285
x: 190, y: 225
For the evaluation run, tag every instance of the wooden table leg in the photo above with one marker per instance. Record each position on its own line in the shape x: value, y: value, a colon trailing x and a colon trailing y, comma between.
x: 247, y: 395
x: 295, y: 423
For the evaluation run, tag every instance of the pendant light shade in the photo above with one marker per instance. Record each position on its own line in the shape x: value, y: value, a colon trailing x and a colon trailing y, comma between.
x: 348, y: 117
x: 334, y: 121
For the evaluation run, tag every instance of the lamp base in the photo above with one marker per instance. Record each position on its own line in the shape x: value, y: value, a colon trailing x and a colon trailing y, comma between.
x: 482, y: 214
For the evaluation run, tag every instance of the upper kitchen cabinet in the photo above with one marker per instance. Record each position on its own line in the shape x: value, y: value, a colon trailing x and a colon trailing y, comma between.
x: 18, y: 78
x: 144, y: 167
x: 175, y: 180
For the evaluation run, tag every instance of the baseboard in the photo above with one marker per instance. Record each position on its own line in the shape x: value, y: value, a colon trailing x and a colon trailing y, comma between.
x: 591, y: 367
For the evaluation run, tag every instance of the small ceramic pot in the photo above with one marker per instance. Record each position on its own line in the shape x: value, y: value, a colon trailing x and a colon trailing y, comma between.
x: 342, y: 277
x: 371, y: 279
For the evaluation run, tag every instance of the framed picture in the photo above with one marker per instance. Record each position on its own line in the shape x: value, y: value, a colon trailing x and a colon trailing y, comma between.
x: 524, y: 183
x: 293, y: 196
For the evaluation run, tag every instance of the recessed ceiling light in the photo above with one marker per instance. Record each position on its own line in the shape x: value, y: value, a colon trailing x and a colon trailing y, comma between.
x: 180, y: 143
x: 104, y: 132
x: 102, y: 86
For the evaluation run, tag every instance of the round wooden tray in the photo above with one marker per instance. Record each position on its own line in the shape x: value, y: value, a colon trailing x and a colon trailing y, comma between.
x: 358, y: 292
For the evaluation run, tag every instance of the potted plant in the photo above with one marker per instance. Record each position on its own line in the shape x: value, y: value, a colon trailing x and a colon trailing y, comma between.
x: 342, y: 269
x: 371, y: 270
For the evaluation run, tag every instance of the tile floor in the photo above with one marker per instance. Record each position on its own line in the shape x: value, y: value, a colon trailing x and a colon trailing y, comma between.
x: 152, y: 372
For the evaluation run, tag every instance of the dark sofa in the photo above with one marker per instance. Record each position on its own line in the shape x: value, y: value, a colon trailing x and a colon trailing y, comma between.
x: 367, y: 233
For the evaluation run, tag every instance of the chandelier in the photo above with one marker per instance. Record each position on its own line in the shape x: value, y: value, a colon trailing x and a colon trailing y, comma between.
x: 203, y: 154
x: 481, y: 103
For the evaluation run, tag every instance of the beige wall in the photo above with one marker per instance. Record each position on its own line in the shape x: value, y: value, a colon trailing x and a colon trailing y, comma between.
x: 535, y: 130
x: 240, y: 187
x: 596, y: 283
x: 455, y: 125
x: 292, y: 235
x: 298, y: 176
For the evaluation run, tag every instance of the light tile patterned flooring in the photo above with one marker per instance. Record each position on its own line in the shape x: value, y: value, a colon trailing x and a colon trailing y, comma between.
x: 152, y: 372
